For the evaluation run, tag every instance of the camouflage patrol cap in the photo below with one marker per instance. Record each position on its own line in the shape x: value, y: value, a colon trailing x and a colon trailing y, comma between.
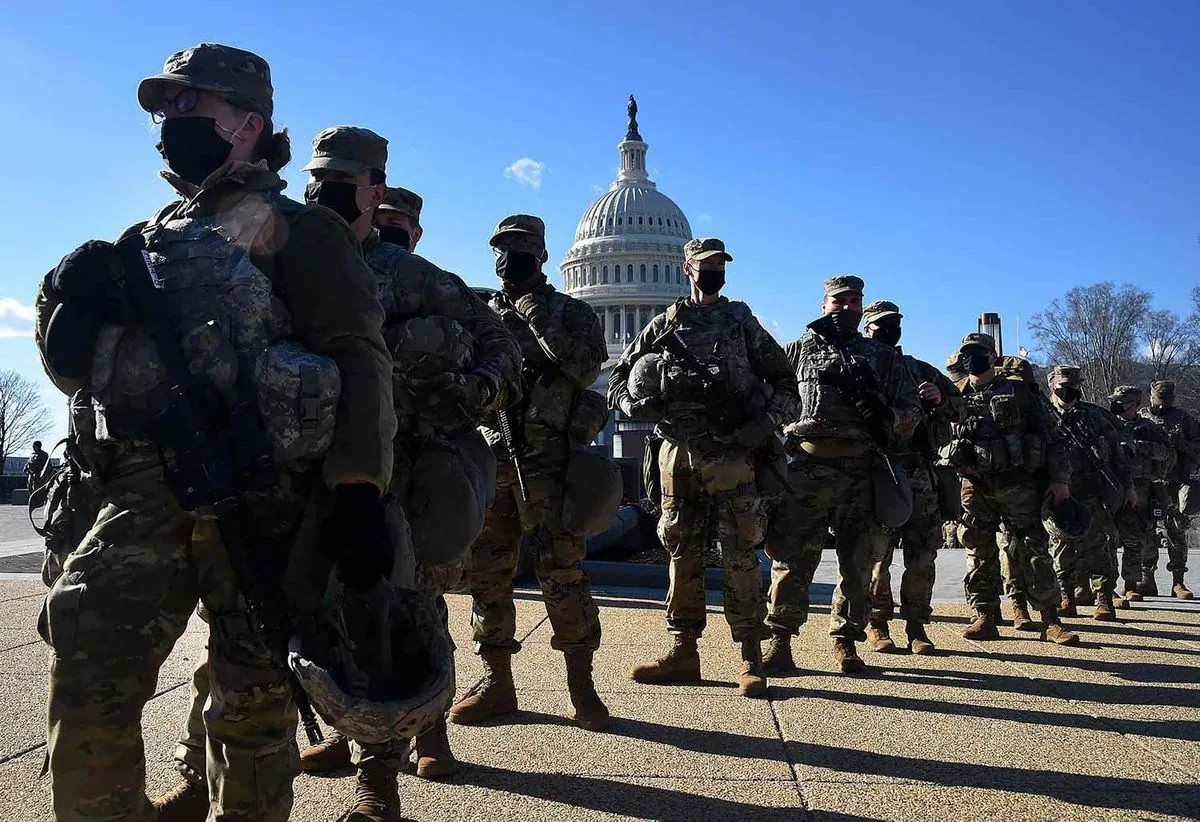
x: 879, y: 309
x: 843, y: 283
x: 520, y: 224
x: 702, y: 248
x: 954, y: 365
x: 348, y: 148
x: 241, y: 77
x: 977, y: 340
x: 1126, y: 393
x: 1162, y: 391
x: 403, y: 201
x: 1064, y: 375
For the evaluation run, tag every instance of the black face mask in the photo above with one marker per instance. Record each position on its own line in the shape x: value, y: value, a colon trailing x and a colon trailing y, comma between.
x: 888, y: 334
x: 516, y: 267
x: 192, y: 147
x: 847, y: 321
x: 710, y: 280
x: 396, y: 236
x: 1068, y: 393
x: 977, y: 364
x: 339, y: 197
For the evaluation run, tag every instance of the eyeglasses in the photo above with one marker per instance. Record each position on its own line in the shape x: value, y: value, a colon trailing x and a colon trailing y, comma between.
x: 184, y: 101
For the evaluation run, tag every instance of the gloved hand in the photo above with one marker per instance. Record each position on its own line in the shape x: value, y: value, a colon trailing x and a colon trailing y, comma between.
x: 878, y: 418
x: 357, y: 530
x: 754, y: 433
x: 88, y: 270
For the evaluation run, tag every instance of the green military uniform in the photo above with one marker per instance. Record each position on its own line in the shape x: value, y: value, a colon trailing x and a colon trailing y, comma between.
x: 1172, y: 527
x: 128, y: 590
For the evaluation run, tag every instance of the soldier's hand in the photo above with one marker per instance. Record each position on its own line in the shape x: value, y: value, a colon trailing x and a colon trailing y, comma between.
x: 528, y: 304
x: 930, y: 393
x: 1058, y: 492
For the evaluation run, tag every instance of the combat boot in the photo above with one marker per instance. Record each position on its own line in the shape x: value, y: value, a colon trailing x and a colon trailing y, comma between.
x: 1147, y: 587
x: 376, y: 796
x: 329, y: 755
x: 1179, y: 590
x: 186, y: 802
x: 777, y: 660
x: 878, y: 638
x: 984, y: 626
x: 1104, y: 608
x: 1021, y: 620
x: 497, y: 696
x: 918, y: 640
x: 1119, y: 602
x: 1133, y: 595
x: 1054, y: 630
x: 847, y: 658
x: 998, y: 616
x: 681, y: 664
x: 751, y: 680
x: 435, y: 760
x: 590, y: 713
x: 1067, y: 608
x: 1085, y: 596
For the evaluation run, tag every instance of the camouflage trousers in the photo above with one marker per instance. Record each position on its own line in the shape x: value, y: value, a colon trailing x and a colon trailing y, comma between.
x: 1171, y: 531
x: 1135, y: 530
x: 557, y: 555
x: 710, y: 491
x: 1015, y: 501
x: 919, y: 539
x: 125, y: 597
x: 827, y: 495
x: 1094, y: 555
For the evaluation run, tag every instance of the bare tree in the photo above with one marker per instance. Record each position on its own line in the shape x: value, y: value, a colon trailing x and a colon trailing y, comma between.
x: 23, y: 417
x: 1172, y: 345
x: 1096, y: 327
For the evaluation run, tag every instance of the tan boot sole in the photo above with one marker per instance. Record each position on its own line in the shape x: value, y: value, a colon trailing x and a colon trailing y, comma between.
x: 1184, y: 594
x: 1069, y: 639
x: 436, y: 768
x: 921, y: 648
x: 1104, y: 616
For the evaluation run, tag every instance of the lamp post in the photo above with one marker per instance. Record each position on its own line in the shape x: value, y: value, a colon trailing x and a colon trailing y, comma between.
x: 989, y: 323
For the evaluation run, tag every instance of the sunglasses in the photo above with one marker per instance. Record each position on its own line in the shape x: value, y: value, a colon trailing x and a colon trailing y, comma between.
x: 184, y: 101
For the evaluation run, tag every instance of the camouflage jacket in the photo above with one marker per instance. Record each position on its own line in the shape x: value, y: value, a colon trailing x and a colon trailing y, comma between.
x: 933, y: 431
x: 411, y: 286
x: 562, y: 343
x: 1184, y: 432
x: 1147, y: 447
x: 827, y: 416
x: 1096, y: 428
x: 1004, y: 430
x: 739, y: 354
x: 312, y: 259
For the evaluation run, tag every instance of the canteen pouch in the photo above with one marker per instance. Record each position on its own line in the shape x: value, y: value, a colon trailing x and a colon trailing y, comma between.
x: 891, y: 500
x: 592, y: 493
x: 297, y: 394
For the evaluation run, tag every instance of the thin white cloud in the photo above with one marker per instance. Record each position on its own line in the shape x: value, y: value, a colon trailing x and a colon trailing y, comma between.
x: 596, y: 189
x: 16, y: 318
x: 527, y: 172
x: 704, y: 218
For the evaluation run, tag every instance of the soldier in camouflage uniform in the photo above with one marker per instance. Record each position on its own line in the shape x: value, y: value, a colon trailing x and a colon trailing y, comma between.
x: 853, y: 405
x: 1096, y: 551
x: 1172, y: 527
x: 1147, y: 447
x: 1003, y: 439
x: 711, y: 424
x: 398, y: 218
x: 563, y: 346
x: 918, y: 538
x: 128, y: 590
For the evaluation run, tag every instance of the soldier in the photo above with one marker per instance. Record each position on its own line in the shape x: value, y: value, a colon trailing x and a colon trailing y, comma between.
x: 127, y: 592
x: 1172, y: 526
x: 398, y: 218
x: 1097, y: 461
x: 563, y: 347
x: 920, y: 536
x: 856, y: 398
x: 725, y: 388
x: 36, y: 466
x: 1147, y: 447
x: 1001, y: 442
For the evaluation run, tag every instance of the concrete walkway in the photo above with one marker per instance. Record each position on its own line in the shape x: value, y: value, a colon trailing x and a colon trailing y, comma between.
x: 1014, y: 729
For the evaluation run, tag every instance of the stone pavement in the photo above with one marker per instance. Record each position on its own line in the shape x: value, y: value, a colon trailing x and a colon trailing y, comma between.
x: 1013, y: 729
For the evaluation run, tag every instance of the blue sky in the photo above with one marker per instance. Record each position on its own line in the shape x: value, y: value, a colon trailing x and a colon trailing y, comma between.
x: 962, y: 157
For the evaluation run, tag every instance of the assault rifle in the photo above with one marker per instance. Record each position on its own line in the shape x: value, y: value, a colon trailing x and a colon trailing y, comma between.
x: 1088, y: 448
x: 510, y: 445
x: 220, y: 454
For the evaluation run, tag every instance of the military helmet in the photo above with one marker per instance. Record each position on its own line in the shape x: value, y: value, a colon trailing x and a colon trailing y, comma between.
x: 1069, y: 519
x: 645, y: 378
x: 393, y: 682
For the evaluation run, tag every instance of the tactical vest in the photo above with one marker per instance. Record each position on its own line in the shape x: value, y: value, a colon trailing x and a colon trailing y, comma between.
x: 991, y: 435
x: 234, y: 331
x: 825, y: 411
x: 1145, y: 445
x: 1086, y: 481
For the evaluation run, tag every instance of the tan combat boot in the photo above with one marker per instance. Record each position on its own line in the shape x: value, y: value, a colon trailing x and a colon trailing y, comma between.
x: 186, y: 802
x: 1054, y: 630
x: 1067, y: 608
x: 590, y: 713
x: 878, y: 638
x: 1085, y: 596
x: 435, y: 760
x: 847, y: 657
x: 752, y: 682
x: 496, y: 696
x: 1104, y: 608
x: 1132, y: 594
x: 1021, y: 620
x: 1119, y: 602
x: 329, y: 755
x: 983, y: 627
x: 1179, y: 590
x: 777, y: 659
x: 918, y: 640
x: 376, y: 796
x: 681, y: 664
x: 998, y: 616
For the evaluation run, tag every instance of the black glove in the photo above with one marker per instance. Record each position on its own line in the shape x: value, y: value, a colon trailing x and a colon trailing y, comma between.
x: 357, y: 531
x: 88, y: 270
x: 878, y: 418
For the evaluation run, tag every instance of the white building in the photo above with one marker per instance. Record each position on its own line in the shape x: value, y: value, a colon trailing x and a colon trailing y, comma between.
x: 627, y: 264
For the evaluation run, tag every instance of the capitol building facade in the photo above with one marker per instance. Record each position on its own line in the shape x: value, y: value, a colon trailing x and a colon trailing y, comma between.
x: 627, y: 264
